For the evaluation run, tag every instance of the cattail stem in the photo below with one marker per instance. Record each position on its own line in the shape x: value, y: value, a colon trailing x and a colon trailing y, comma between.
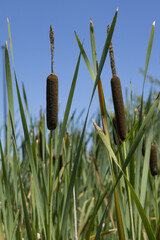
x: 50, y: 189
x: 111, y: 53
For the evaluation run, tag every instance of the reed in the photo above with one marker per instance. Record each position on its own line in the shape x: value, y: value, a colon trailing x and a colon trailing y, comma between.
x: 117, y: 96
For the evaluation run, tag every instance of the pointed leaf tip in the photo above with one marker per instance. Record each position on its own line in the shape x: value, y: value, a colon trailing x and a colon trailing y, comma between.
x: 6, y: 45
x: 91, y: 22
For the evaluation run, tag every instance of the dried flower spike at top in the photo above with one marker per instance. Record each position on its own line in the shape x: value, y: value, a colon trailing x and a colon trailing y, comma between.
x: 51, y: 35
x: 111, y: 53
x: 52, y: 101
x: 153, y: 161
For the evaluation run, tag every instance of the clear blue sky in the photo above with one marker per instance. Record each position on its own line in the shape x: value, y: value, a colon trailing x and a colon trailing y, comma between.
x: 30, y: 21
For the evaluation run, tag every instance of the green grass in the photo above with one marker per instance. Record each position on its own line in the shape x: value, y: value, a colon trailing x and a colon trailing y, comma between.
x: 59, y: 188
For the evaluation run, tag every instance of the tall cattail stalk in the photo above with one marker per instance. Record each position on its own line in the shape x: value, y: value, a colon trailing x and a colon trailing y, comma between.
x: 52, y: 116
x: 119, y: 115
x: 117, y: 96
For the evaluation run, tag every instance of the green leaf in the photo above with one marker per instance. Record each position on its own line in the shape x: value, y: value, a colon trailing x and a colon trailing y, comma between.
x: 10, y: 40
x: 93, y: 46
x: 9, y: 85
x: 146, y: 67
x: 149, y: 50
x: 85, y: 58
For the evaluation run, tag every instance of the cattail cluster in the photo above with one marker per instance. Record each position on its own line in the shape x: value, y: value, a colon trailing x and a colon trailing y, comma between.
x: 153, y: 161
x: 52, y: 101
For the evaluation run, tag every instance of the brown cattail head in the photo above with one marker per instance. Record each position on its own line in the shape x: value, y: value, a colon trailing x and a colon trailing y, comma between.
x: 52, y: 101
x: 40, y: 145
x: 116, y: 129
x: 153, y: 161
x: 118, y: 106
x: 144, y: 145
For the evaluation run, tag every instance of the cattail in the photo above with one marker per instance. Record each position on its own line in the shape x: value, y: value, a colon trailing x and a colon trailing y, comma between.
x: 144, y: 145
x: 116, y: 129
x: 153, y: 161
x: 117, y: 96
x: 118, y: 106
x: 52, y: 101
x: 40, y: 145
x: 52, y: 91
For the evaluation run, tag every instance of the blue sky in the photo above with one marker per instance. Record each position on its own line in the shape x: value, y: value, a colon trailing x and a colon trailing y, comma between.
x: 30, y: 21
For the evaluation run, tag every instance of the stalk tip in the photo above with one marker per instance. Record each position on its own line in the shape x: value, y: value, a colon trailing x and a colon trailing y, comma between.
x: 6, y: 45
x: 91, y: 24
x: 154, y: 24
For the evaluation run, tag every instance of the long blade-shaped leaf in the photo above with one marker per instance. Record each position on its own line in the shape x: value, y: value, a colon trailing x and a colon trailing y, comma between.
x: 146, y: 67
x: 85, y: 58
x: 149, y: 49
x: 93, y: 46
x: 9, y: 85
x: 10, y: 40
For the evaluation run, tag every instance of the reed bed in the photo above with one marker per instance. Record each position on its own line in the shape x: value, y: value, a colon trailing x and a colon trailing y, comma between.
x: 56, y: 187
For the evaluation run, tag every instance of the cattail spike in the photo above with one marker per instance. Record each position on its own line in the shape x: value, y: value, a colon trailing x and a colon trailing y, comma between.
x: 111, y: 53
x: 153, y: 161
x: 52, y: 101
x: 118, y: 106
